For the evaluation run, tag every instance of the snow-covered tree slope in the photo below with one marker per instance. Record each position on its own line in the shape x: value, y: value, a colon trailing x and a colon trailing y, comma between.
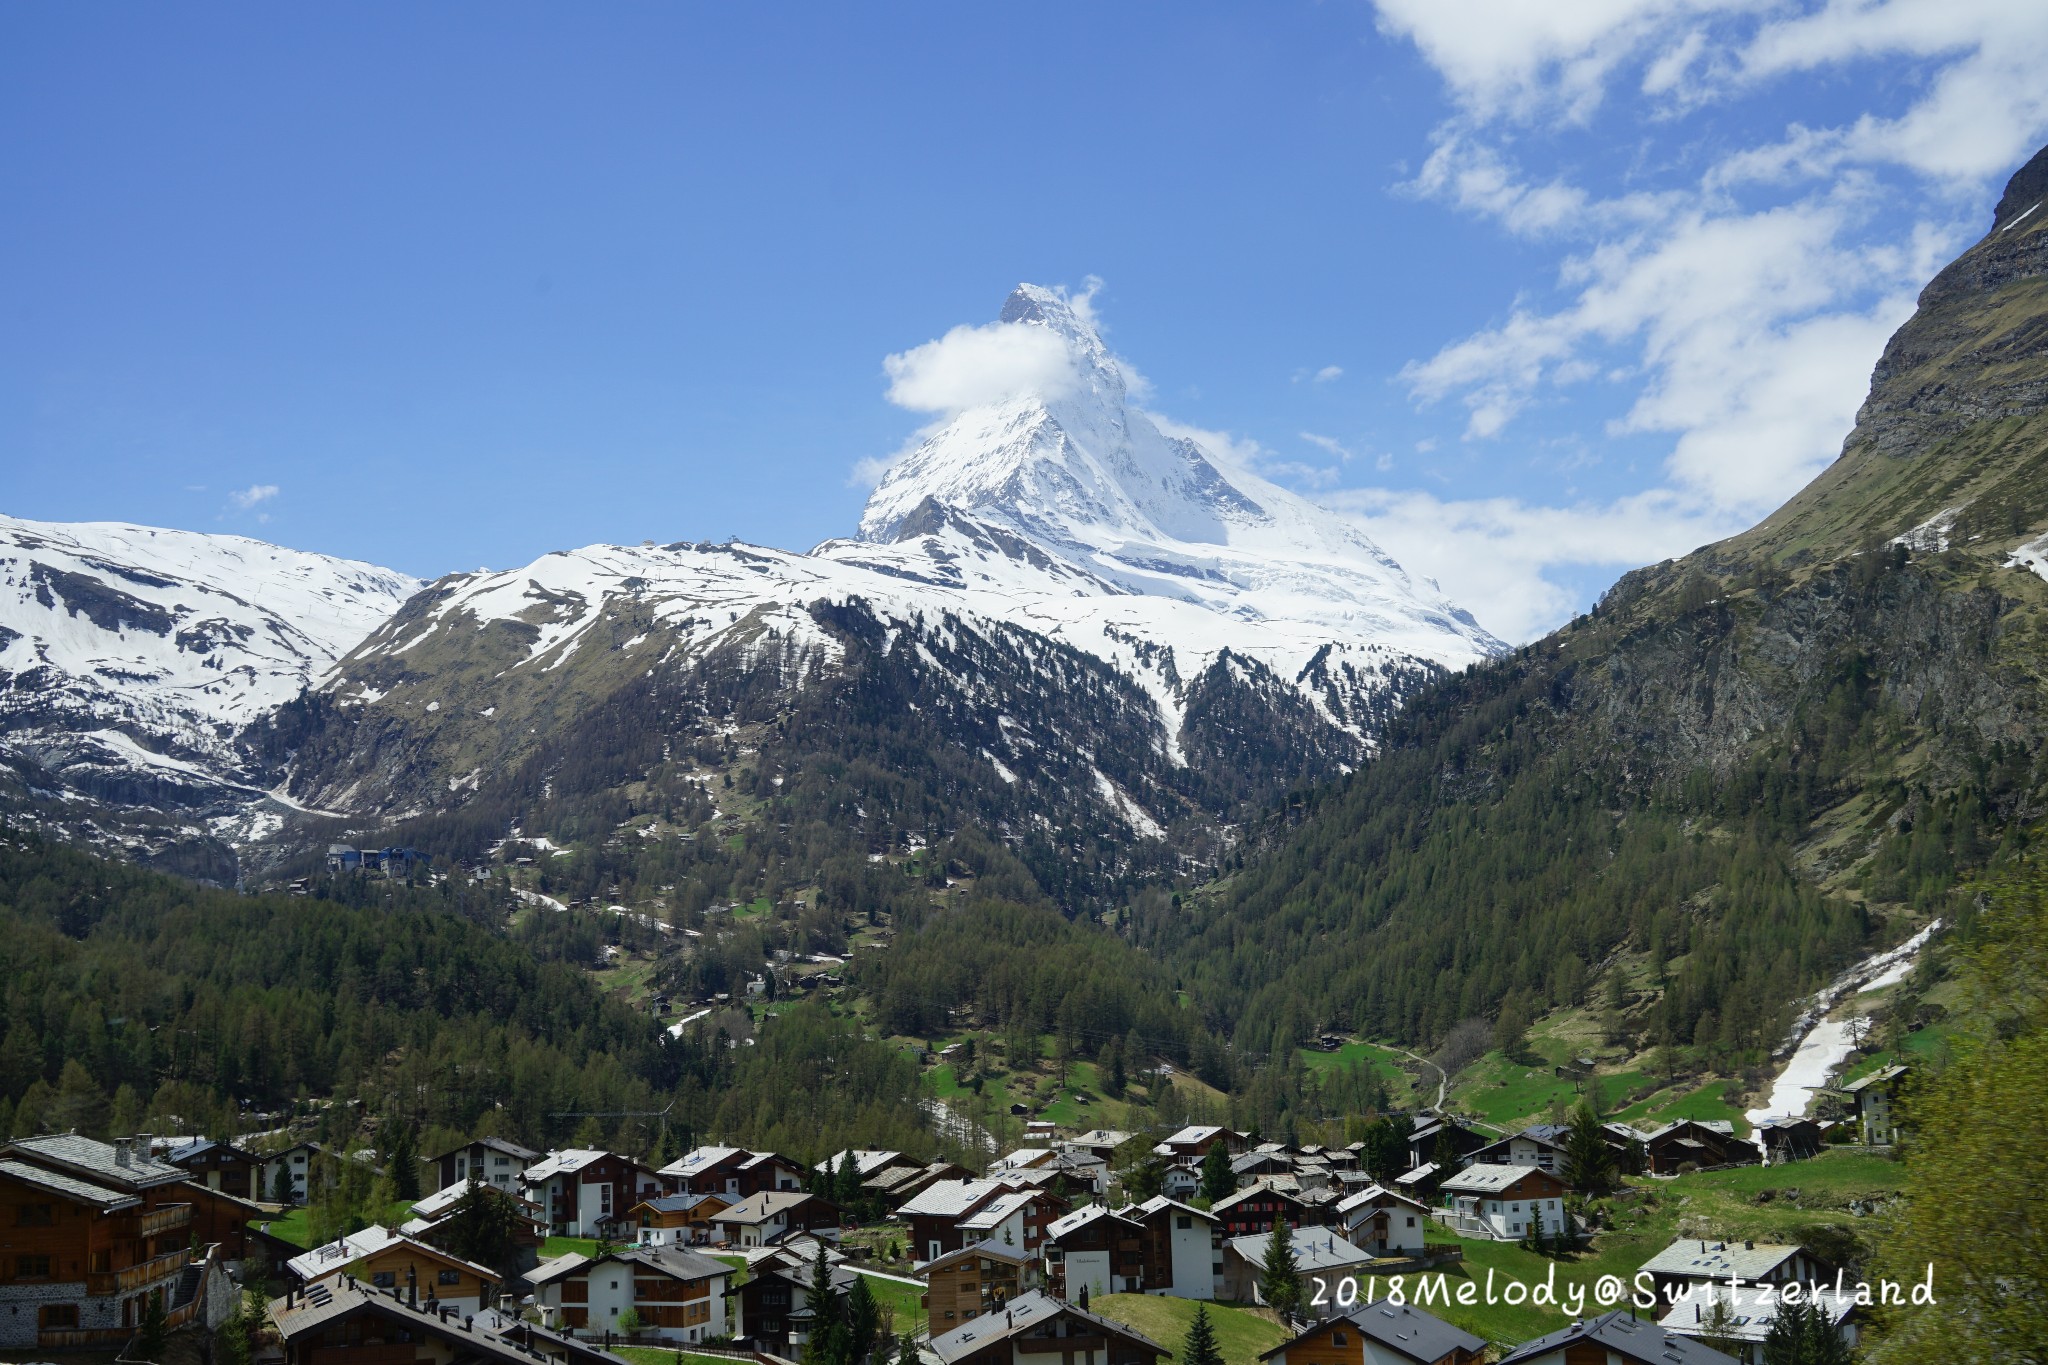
x: 128, y: 652
x: 1062, y: 514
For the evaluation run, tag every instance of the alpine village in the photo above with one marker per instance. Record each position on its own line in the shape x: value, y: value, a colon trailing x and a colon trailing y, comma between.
x: 948, y: 946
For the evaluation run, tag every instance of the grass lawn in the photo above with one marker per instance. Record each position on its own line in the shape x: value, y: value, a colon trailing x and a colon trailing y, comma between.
x: 666, y: 1355
x: 562, y: 1246
x: 899, y: 1302
x: 1385, y: 1060
x: 1507, y: 1094
x: 1782, y: 1203
x: 293, y: 1226
x: 1241, y: 1333
x: 1709, y: 1101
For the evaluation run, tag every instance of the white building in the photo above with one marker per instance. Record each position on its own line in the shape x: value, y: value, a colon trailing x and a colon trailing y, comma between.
x: 1193, y: 1265
x: 676, y: 1295
x: 1506, y: 1203
x: 1383, y: 1222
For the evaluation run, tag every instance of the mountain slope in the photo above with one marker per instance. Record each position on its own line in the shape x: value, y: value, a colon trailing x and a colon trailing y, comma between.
x: 131, y: 657
x: 1109, y: 631
x: 1741, y: 768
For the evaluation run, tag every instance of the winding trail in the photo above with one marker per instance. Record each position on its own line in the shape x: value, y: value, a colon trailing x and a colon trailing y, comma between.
x: 1443, y: 1080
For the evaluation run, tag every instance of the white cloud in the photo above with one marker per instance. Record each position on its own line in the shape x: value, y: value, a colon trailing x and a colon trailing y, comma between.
x: 1329, y: 444
x: 1329, y: 372
x: 1499, y: 557
x: 1731, y: 298
x: 1519, y: 58
x: 969, y: 366
x: 252, y: 498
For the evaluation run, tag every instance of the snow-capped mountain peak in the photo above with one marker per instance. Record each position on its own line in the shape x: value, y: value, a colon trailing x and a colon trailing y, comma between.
x: 1073, y: 468
x: 136, y: 646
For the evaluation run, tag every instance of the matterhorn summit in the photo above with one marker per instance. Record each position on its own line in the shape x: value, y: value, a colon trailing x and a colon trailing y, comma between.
x: 1076, y: 471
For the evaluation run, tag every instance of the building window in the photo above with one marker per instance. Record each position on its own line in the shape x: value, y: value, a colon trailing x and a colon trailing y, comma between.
x: 385, y: 1279
x: 57, y: 1315
x: 31, y: 1267
x: 34, y: 1215
x: 450, y: 1277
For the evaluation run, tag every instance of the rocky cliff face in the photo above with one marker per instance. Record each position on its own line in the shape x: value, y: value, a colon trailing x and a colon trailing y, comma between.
x: 1869, y: 662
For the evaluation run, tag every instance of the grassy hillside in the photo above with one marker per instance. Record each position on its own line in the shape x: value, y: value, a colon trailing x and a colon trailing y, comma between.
x: 1241, y: 1333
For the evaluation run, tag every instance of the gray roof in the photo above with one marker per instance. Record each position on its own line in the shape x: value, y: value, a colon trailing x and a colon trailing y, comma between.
x: 492, y: 1337
x: 1695, y: 1259
x: 949, y: 1198
x: 1020, y: 1315
x: 1881, y: 1077
x: 986, y: 1251
x: 674, y: 1262
x: 1403, y: 1329
x: 1634, y: 1338
x: 1158, y: 1202
x: 1482, y: 1178
x: 1750, y: 1310
x: 764, y: 1207
x: 997, y: 1209
x: 1374, y: 1194
x: 96, y: 1161
x: 511, y: 1149
x: 1314, y: 1249
x: 1081, y: 1218
x: 68, y: 1187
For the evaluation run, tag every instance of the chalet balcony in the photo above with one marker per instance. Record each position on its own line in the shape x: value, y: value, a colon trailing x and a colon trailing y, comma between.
x: 138, y: 1276
x: 164, y: 1219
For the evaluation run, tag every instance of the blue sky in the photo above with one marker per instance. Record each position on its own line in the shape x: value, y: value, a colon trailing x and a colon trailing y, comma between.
x: 1537, y: 291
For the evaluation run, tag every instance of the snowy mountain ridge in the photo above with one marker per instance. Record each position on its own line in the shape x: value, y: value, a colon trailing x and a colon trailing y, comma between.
x: 1062, y: 510
x: 1057, y: 518
x: 131, y: 656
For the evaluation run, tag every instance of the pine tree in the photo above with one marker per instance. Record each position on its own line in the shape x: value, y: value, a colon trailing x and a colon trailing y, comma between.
x: 1279, y: 1276
x: 1588, y: 1162
x: 827, y: 1342
x: 863, y: 1320
x: 1217, y: 1179
x: 1802, y: 1334
x: 403, y: 1161
x: 1201, y: 1346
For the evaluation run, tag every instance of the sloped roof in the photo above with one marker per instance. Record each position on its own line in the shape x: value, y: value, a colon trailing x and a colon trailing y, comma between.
x: 1314, y: 1249
x: 1697, y: 1259
x: 343, y: 1251
x: 98, y: 1162
x: 765, y: 1206
x: 68, y: 1187
x: 1401, y: 1328
x: 1751, y: 1310
x: 866, y: 1160
x: 1484, y: 1178
x: 1159, y: 1202
x: 1632, y: 1338
x: 1374, y: 1194
x: 949, y: 1198
x: 1020, y: 1315
x: 567, y: 1161
x: 982, y: 1251
x: 1081, y: 1218
x: 511, y: 1149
